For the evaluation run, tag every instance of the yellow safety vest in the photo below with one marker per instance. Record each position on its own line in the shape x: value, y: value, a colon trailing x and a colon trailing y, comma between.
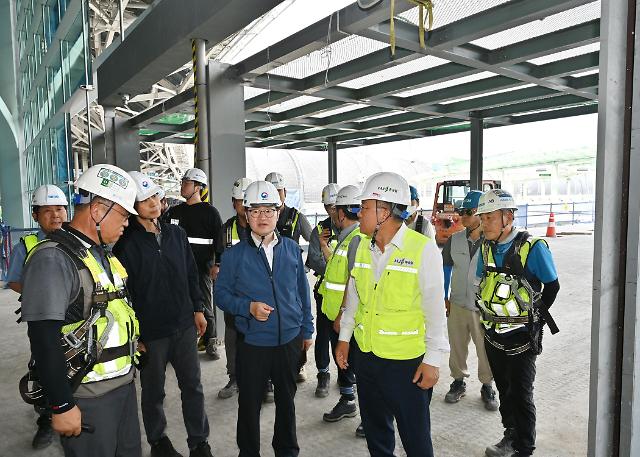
x: 335, y: 277
x: 232, y: 234
x: 30, y: 241
x: 497, y: 292
x: 390, y: 321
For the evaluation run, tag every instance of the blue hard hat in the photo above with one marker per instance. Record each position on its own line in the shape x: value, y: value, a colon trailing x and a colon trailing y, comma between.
x: 471, y: 199
x: 414, y: 193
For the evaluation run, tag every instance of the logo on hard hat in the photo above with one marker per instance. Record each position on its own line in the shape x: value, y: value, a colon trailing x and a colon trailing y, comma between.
x: 110, y: 177
x: 387, y: 189
x: 264, y: 195
x: 145, y: 183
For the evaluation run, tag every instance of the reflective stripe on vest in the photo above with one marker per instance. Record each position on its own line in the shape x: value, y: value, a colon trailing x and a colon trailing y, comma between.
x: 336, y: 276
x: 390, y: 321
x: 125, y: 330
x: 496, y: 297
x: 193, y: 240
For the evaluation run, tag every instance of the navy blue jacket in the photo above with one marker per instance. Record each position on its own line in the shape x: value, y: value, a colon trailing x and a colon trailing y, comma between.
x: 245, y: 277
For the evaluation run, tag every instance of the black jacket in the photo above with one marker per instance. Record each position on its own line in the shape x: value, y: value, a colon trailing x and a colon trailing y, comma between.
x: 163, y: 278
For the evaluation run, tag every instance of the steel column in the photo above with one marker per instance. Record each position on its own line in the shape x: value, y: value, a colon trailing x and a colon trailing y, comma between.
x: 332, y: 152
x: 201, y: 138
x: 475, y: 170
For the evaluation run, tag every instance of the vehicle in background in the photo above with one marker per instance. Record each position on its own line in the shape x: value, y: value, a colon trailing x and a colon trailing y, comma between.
x: 447, y: 200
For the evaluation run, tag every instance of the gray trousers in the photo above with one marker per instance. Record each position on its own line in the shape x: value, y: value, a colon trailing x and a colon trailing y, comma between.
x: 206, y: 286
x: 117, y: 429
x: 230, y: 343
x: 179, y: 350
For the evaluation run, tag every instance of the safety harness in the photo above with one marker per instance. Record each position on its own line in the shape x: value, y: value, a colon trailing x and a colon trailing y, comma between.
x: 290, y: 222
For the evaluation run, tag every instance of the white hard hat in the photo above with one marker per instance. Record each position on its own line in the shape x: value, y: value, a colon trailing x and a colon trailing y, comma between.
x: 387, y: 187
x: 348, y: 196
x: 161, y: 193
x: 495, y: 199
x: 239, y: 188
x: 48, y: 195
x: 145, y: 187
x: 197, y: 175
x: 111, y: 183
x: 329, y: 194
x: 276, y: 179
x: 261, y: 193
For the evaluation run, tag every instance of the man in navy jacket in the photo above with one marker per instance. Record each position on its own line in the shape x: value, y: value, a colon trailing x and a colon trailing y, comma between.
x: 263, y: 283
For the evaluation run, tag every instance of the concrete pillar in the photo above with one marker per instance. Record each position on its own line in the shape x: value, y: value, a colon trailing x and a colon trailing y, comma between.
x: 120, y: 143
x: 475, y: 169
x: 614, y: 403
x: 332, y: 151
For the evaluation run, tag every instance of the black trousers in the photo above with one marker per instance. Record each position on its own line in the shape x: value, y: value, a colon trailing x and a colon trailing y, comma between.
x: 181, y: 352
x: 206, y: 285
x: 386, y: 392
x: 256, y: 364
x: 514, y: 376
x: 323, y: 330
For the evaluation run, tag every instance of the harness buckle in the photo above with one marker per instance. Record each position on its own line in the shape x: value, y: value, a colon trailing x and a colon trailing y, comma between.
x: 72, y: 340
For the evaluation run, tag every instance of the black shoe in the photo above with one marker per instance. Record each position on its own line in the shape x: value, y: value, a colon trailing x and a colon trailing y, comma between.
x: 323, y: 384
x: 344, y: 408
x: 212, y: 349
x: 201, y: 450
x: 503, y: 448
x: 302, y: 375
x: 360, y: 431
x: 268, y: 393
x: 164, y: 448
x: 518, y: 454
x: 489, y: 397
x: 44, y: 434
x: 457, y: 390
x: 229, y: 390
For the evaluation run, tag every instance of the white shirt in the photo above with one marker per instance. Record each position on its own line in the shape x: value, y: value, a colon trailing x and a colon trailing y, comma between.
x: 267, y: 247
x: 431, y: 283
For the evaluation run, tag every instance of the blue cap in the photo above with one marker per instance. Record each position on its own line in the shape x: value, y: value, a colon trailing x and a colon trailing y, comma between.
x: 414, y: 193
x: 471, y: 199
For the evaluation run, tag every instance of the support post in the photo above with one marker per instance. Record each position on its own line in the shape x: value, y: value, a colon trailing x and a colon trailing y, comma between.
x: 332, y: 151
x: 475, y: 170
x: 120, y: 143
x: 201, y: 127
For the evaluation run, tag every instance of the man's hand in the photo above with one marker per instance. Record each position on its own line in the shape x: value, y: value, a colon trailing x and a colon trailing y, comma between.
x: 336, y: 323
x: 141, y: 347
x: 324, y: 237
x: 213, y: 272
x: 447, y: 306
x: 200, y: 322
x: 342, y: 354
x: 67, y: 423
x: 306, y: 344
x: 260, y: 311
x: 426, y: 376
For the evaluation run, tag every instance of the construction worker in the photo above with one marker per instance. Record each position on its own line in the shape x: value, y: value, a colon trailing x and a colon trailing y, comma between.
x: 291, y: 224
x: 234, y: 230
x: 203, y: 224
x: 394, y: 308
x: 319, y: 253
x: 459, y: 260
x: 416, y: 221
x: 49, y: 211
x: 517, y: 285
x: 263, y: 283
x: 75, y: 288
x: 339, y: 266
x: 166, y: 295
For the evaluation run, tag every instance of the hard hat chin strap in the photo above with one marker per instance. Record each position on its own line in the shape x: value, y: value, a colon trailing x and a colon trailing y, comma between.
x: 378, y: 225
x: 98, y: 229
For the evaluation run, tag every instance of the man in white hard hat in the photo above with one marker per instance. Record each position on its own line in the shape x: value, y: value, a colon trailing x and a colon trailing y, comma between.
x: 164, y: 288
x: 49, y: 210
x: 74, y: 288
x: 203, y: 225
x: 291, y: 224
x: 263, y: 283
x: 394, y: 308
x: 518, y: 283
x: 337, y: 272
x: 319, y: 252
x: 234, y: 230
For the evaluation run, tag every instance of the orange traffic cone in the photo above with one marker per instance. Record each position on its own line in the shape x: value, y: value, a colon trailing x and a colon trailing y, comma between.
x: 551, y: 228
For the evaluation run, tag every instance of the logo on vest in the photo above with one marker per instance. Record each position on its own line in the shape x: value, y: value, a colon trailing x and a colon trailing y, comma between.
x: 403, y: 262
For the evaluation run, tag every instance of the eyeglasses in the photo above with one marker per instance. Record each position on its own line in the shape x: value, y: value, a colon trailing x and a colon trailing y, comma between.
x: 113, y: 208
x: 266, y: 212
x: 465, y: 212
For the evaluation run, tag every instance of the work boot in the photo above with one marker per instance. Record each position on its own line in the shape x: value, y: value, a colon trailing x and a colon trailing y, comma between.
x: 322, y: 390
x: 212, y: 349
x: 302, y: 375
x: 489, y: 397
x: 201, y: 345
x: 457, y: 390
x: 268, y: 393
x: 519, y: 454
x: 201, y: 450
x: 44, y: 434
x: 360, y: 431
x: 229, y: 390
x: 344, y: 408
x: 164, y: 448
x: 503, y: 448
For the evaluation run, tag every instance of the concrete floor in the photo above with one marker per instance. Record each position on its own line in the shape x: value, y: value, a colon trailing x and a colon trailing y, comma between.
x: 461, y: 430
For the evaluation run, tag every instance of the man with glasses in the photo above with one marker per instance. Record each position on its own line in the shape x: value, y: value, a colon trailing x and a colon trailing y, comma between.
x: 72, y: 284
x: 459, y: 258
x: 203, y: 225
x: 263, y: 283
